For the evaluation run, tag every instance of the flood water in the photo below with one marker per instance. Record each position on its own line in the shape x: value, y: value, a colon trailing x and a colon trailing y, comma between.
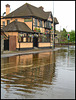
x: 49, y: 75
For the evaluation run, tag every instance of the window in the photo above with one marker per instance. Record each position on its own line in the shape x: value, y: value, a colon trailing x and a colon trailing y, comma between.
x: 8, y: 21
x: 3, y: 23
x: 24, y: 37
x: 21, y: 39
x: 35, y: 22
x: 40, y: 23
x: 44, y: 38
x: 44, y: 23
x: 48, y: 24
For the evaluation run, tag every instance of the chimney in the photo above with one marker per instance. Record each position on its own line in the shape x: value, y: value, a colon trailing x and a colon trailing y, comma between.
x: 41, y: 7
x: 7, y: 9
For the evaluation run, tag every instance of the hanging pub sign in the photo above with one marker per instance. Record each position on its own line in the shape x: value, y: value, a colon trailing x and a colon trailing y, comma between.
x: 28, y: 20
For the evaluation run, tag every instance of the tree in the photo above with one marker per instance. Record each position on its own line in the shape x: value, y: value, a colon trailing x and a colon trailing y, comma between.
x: 63, y: 36
x: 64, y: 30
x: 72, y: 36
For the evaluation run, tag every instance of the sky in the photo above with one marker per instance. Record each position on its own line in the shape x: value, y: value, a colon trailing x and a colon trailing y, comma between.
x: 64, y: 11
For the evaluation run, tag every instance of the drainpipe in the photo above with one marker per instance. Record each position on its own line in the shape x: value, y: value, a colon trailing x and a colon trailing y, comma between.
x: 53, y: 26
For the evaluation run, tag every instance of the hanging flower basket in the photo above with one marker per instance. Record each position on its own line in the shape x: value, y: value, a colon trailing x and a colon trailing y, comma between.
x: 45, y: 33
x: 44, y: 36
x: 21, y: 35
x: 30, y: 35
x: 38, y: 30
x: 34, y: 30
x: 35, y: 35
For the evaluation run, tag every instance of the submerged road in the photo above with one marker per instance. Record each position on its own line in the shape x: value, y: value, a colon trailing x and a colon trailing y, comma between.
x: 44, y: 75
x: 25, y: 53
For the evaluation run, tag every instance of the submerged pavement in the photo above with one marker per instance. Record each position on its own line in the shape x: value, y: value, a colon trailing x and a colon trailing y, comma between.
x: 8, y: 54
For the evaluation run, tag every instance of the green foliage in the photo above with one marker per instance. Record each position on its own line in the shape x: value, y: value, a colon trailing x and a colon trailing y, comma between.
x: 64, y: 38
x: 72, y: 36
x: 37, y: 30
x: 64, y: 30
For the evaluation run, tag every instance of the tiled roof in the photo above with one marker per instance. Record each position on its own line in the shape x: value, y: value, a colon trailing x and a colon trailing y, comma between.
x: 2, y: 33
x: 28, y: 10
x: 16, y: 26
x: 55, y: 20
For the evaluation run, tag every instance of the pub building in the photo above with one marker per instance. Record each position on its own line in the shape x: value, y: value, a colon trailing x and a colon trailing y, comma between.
x: 28, y: 27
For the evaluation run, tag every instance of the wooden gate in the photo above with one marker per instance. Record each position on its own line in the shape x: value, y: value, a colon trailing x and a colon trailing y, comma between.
x: 12, y: 43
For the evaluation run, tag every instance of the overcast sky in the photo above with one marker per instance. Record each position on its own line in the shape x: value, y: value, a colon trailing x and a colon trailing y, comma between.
x: 64, y: 11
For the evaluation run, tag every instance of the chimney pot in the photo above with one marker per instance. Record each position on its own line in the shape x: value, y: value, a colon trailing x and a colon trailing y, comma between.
x: 7, y: 5
x: 41, y: 7
x: 7, y: 9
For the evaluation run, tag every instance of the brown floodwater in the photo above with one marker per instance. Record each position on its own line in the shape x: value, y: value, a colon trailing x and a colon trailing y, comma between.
x: 49, y: 75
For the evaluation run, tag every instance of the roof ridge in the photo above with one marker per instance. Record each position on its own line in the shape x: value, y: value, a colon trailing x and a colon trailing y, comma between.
x: 29, y: 8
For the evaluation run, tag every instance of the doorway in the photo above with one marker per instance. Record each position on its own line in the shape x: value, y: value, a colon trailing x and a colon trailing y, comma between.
x: 35, y: 41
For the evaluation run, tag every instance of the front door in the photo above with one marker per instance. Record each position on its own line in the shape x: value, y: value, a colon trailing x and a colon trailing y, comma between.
x: 12, y: 43
x: 35, y: 41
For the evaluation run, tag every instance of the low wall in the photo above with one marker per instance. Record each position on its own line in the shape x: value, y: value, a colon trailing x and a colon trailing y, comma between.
x: 43, y: 44
x: 25, y: 45
x: 60, y: 44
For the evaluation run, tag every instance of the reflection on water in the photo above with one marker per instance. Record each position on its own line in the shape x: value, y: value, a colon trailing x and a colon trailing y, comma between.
x: 43, y: 75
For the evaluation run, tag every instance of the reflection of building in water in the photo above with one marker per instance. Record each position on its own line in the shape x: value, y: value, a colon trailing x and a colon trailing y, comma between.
x: 41, y: 72
x: 24, y: 59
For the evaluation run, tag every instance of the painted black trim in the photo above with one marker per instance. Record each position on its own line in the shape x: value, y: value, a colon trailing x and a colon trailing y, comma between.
x: 24, y: 17
x: 45, y: 47
x: 22, y: 49
x: 19, y: 31
x: 24, y: 42
x: 32, y: 42
x: 43, y: 27
x: 47, y: 28
x: 38, y: 26
x: 32, y: 23
x: 17, y: 17
x: 38, y: 17
x: 44, y: 42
